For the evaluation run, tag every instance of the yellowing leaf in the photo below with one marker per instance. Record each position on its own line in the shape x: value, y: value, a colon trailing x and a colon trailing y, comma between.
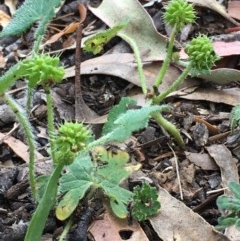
x: 95, y: 44
x: 70, y: 201
x: 100, y: 154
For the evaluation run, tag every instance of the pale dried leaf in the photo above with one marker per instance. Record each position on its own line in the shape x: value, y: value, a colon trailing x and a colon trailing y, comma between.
x: 69, y: 29
x: 178, y: 222
x: 227, y: 164
x: 4, y: 19
x: 11, y: 5
x: 215, y: 6
x: 229, y: 172
x: 19, y: 148
x: 109, y: 229
x: 124, y: 66
x: 202, y: 160
x: 234, y: 9
x: 140, y: 27
x: 227, y: 96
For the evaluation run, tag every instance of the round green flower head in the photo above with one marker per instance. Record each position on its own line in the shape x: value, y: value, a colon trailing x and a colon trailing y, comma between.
x: 201, y: 53
x: 43, y: 69
x: 70, y: 140
x: 179, y: 12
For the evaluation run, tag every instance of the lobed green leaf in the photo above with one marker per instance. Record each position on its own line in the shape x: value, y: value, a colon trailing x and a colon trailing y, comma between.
x: 115, y: 112
x: 132, y: 120
x: 228, y: 203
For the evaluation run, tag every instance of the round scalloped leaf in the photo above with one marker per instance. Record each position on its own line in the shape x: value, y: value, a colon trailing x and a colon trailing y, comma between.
x: 145, y: 202
x: 115, y: 112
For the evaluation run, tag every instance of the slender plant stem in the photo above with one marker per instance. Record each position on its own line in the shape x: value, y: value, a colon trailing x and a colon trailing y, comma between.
x: 29, y: 99
x: 103, y: 139
x: 169, y: 127
x: 50, y: 121
x: 174, y: 86
x: 66, y: 230
x: 138, y: 59
x: 9, y: 77
x: 168, y: 58
x: 40, y: 215
x: 23, y: 120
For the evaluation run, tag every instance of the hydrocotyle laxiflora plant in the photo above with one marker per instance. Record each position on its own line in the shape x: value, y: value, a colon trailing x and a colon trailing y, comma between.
x: 41, y: 69
x: 201, y: 54
x: 68, y: 142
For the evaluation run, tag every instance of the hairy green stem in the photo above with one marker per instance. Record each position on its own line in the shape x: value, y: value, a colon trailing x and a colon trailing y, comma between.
x: 23, y: 120
x: 174, y: 86
x: 100, y: 141
x: 168, y: 58
x: 66, y: 230
x: 50, y: 121
x: 29, y: 99
x: 39, y: 34
x: 39, y: 218
x: 136, y: 51
x: 9, y: 77
x: 169, y: 127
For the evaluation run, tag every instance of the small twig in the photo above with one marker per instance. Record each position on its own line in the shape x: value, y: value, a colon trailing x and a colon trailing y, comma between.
x: 177, y: 171
x: 78, y: 90
x: 217, y: 190
x: 15, y: 127
x: 82, y: 111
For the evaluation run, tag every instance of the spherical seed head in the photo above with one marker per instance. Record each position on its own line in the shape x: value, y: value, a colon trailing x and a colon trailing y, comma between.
x: 42, y: 69
x: 179, y: 12
x: 70, y: 140
x: 202, y: 56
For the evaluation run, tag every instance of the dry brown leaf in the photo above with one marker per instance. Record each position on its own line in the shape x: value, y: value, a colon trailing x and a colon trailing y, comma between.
x: 227, y: 48
x: 123, y: 65
x: 215, y: 6
x: 229, y: 172
x: 178, y: 222
x: 11, y: 5
x: 109, y: 229
x: 234, y: 9
x: 4, y: 18
x: 3, y: 61
x: 69, y: 29
x: 82, y: 12
x: 224, y: 159
x: 227, y: 96
x: 19, y: 148
x: 140, y: 27
x: 202, y: 160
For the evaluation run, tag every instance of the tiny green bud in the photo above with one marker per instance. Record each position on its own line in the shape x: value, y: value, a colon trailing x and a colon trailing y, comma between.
x: 201, y: 53
x: 70, y: 140
x: 180, y: 13
x: 43, y: 69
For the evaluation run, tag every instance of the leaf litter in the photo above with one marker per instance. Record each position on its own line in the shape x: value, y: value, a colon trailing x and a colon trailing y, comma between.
x: 175, y: 218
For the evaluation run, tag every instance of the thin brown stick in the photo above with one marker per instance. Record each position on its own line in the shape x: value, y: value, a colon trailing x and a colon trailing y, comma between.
x: 78, y: 90
x: 82, y: 111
